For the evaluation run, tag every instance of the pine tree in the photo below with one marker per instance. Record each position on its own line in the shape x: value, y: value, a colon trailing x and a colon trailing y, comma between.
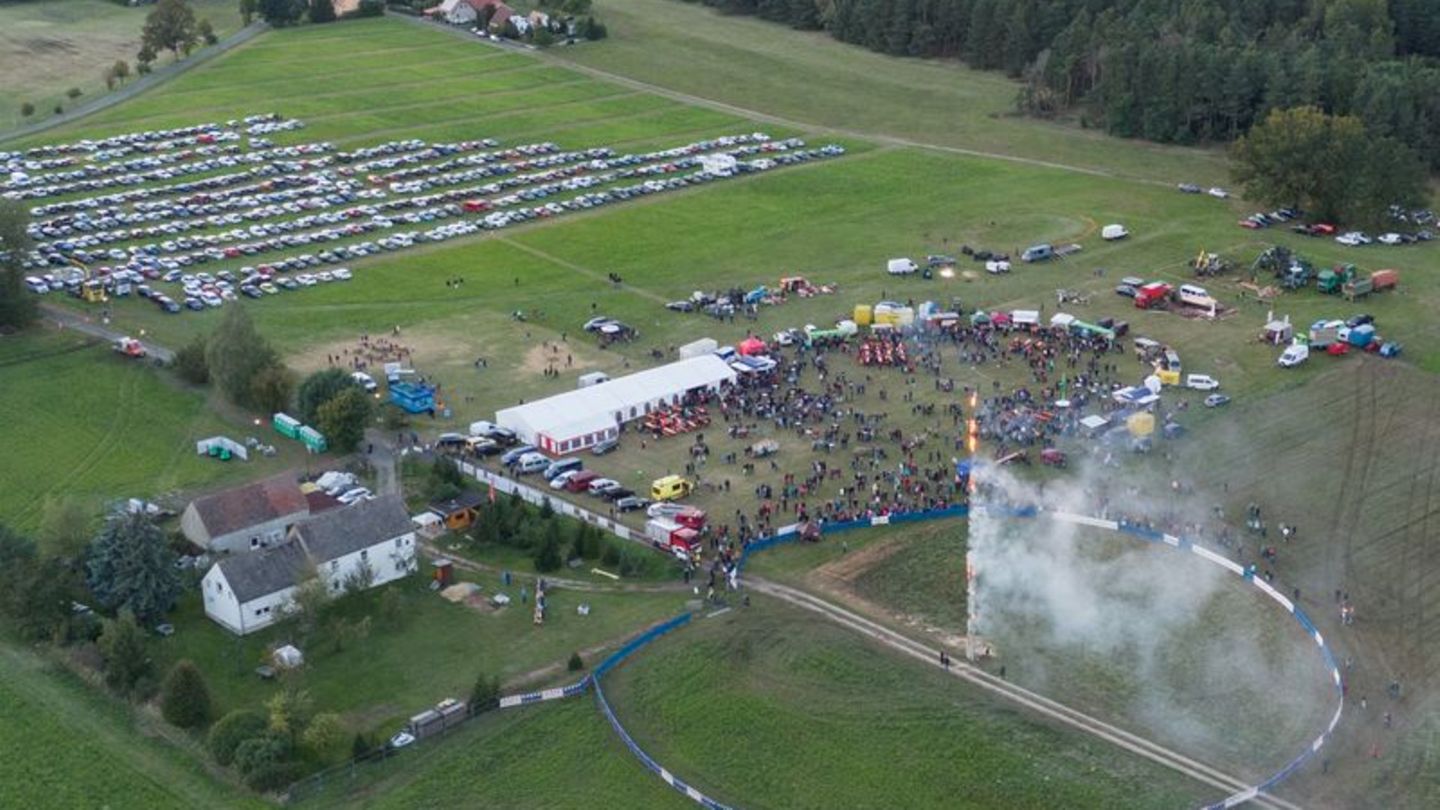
x: 184, y: 697
x: 131, y: 568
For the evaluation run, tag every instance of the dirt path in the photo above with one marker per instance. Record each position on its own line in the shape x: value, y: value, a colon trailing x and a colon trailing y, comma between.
x: 1009, y: 691
x: 70, y: 320
x: 757, y: 115
x: 135, y: 88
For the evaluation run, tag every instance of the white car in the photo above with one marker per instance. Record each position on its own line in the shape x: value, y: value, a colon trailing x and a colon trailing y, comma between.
x: 341, y: 274
x: 1218, y: 193
x: 1201, y: 382
x: 37, y: 286
x: 1353, y: 239
x: 559, y: 481
x: 402, y: 739
x: 364, y: 381
x: 1389, y: 239
x: 601, y: 484
x: 351, y: 496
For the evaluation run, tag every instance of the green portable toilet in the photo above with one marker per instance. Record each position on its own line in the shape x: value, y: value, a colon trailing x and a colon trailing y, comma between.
x: 313, y: 440
x: 286, y: 425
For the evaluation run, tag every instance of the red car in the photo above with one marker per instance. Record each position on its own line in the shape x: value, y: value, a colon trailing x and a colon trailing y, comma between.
x: 1337, y: 349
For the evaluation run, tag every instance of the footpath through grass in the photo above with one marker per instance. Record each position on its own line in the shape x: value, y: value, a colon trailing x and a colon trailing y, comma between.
x: 752, y: 709
x: 50, y: 46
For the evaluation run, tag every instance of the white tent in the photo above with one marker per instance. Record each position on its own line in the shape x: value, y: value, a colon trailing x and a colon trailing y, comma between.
x: 577, y: 419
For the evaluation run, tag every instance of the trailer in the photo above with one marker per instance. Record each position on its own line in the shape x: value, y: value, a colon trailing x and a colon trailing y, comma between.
x: 286, y: 425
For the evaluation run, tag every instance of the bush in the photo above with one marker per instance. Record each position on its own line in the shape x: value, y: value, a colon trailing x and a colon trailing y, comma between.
x: 190, y: 362
x: 27, y: 109
x: 184, y: 697
x: 611, y: 555
x: 258, y: 757
x: 232, y: 730
x: 485, y: 695
x: 59, y: 109
x: 370, y: 8
x: 73, y: 92
x: 576, y: 663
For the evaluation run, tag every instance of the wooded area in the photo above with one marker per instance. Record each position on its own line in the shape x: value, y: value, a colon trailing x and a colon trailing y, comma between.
x: 1182, y: 71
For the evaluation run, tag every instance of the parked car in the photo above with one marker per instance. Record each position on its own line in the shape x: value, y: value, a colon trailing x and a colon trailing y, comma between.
x: 1201, y: 382
x: 631, y: 504
x: 1125, y: 289
x: 1216, y: 400
x: 607, y: 446
x: 1293, y: 356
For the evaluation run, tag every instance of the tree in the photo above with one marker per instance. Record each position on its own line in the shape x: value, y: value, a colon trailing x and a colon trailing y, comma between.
x: 184, y: 697
x: 263, y: 761
x: 547, y: 555
x: 541, y: 37
x: 32, y: 591
x: 360, y: 746
x: 343, y: 419
x: 318, y: 389
x: 289, y: 712
x: 322, y: 11
x: 65, y: 528
x: 127, y: 661
x: 281, y: 13
x: 324, y: 735
x: 485, y: 694
x: 247, y: 11
x: 308, y: 603
x: 236, y: 353
x: 190, y: 362
x: 232, y: 730
x: 170, y: 27
x: 1329, y: 165
x: 130, y: 567
x: 576, y: 663
x: 17, y: 306
x: 272, y: 388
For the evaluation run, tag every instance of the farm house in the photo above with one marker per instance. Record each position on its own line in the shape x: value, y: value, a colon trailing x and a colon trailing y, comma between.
x: 244, y: 593
x: 587, y: 416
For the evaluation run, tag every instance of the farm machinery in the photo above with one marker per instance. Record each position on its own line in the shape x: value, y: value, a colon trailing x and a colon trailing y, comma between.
x: 1205, y: 264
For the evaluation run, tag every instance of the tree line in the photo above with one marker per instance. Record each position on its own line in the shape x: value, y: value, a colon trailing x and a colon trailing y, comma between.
x: 1177, y: 71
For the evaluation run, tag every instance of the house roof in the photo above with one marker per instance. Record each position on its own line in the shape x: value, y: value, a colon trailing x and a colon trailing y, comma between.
x: 242, y: 507
x: 469, y: 499
x: 261, y: 573
x: 344, y: 531
x: 502, y: 15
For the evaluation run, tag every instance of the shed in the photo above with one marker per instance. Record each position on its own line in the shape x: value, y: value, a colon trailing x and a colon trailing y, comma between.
x: 460, y: 511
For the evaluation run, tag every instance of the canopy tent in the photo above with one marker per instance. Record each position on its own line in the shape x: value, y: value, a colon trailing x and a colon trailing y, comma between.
x: 586, y: 416
x: 751, y: 346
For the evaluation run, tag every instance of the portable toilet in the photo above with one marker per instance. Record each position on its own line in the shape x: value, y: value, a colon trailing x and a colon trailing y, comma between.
x: 313, y: 440
x: 286, y: 425
x: 1141, y: 424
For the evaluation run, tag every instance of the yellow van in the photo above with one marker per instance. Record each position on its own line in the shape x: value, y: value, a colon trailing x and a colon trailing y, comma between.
x: 670, y: 488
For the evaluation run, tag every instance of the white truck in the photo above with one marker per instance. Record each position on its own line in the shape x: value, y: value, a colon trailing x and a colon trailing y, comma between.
x: 901, y: 267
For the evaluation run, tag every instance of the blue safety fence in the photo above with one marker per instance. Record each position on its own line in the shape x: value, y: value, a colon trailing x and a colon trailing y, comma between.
x: 790, y: 534
x: 636, y: 643
x: 645, y: 759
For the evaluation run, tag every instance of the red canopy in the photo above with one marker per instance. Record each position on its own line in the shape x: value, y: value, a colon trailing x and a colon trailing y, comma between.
x: 753, y: 345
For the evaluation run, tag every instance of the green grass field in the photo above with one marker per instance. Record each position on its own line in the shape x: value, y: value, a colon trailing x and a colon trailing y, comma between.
x: 68, y: 746
x: 86, y: 422
x: 747, y: 707
x: 432, y: 650
x: 556, y: 755
x: 50, y: 46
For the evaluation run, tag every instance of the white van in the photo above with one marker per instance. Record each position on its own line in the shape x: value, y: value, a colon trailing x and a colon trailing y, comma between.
x: 1201, y: 382
x: 901, y: 267
x: 531, y: 463
x: 1293, y: 356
